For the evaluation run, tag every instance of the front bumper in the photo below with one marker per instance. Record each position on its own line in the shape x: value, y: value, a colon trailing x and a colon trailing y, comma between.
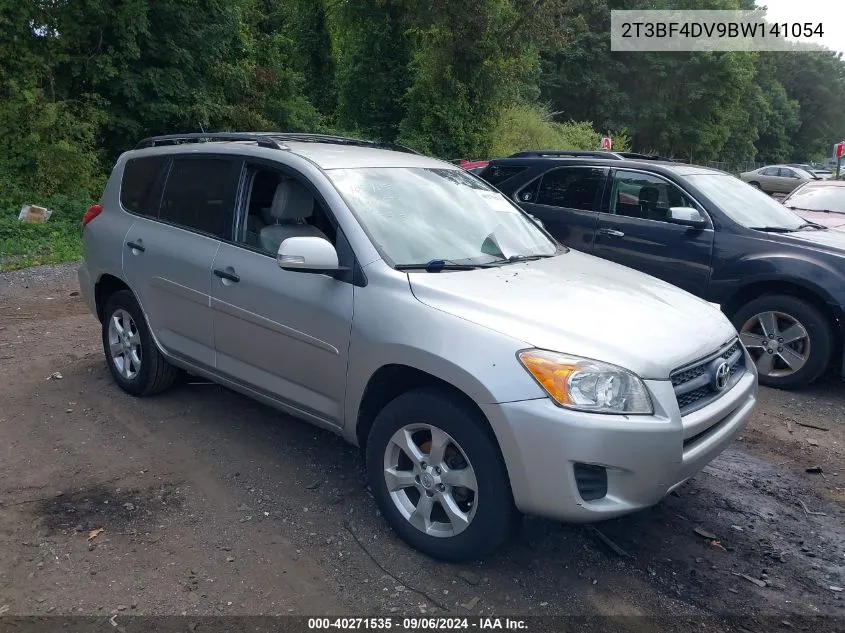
x: 645, y: 457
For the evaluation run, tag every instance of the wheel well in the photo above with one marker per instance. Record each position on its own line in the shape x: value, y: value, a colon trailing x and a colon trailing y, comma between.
x: 105, y: 288
x: 752, y: 291
x: 391, y: 381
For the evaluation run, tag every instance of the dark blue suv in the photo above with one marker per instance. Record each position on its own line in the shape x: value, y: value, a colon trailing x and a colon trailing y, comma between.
x: 779, y: 278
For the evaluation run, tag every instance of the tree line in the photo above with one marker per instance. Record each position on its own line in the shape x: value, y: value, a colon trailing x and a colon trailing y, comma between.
x: 83, y: 80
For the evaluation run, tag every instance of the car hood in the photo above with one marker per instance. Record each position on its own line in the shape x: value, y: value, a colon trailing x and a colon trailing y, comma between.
x: 585, y: 306
x: 832, y: 241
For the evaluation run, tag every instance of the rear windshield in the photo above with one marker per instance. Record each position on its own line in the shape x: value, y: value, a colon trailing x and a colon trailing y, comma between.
x: 140, y: 188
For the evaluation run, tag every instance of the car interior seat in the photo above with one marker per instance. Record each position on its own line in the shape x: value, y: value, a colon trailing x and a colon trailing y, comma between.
x: 648, y: 199
x: 292, y: 204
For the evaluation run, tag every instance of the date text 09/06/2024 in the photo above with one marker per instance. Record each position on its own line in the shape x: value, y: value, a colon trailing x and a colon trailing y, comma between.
x: 731, y: 30
x: 418, y: 624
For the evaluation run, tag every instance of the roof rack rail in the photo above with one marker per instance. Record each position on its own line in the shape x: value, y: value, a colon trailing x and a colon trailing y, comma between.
x: 638, y: 156
x: 565, y: 154
x: 272, y: 140
x: 262, y: 139
x: 340, y: 140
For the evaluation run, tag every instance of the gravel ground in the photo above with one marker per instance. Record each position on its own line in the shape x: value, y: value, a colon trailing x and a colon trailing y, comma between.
x: 202, y: 502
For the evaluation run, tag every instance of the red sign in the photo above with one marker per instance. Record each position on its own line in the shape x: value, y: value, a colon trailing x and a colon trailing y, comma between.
x: 605, y: 143
x: 840, y: 150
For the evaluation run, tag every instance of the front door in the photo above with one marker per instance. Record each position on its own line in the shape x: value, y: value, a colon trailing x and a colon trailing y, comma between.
x: 566, y: 200
x: 634, y: 230
x: 788, y: 180
x: 285, y: 334
x: 168, y: 255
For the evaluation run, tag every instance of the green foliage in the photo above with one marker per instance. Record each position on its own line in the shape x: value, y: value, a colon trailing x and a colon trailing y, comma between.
x: 372, y: 69
x: 57, y: 240
x: 465, y: 66
x: 698, y: 106
x: 521, y: 127
x: 82, y: 81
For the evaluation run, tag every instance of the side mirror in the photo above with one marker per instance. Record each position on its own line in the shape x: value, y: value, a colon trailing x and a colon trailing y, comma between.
x: 308, y: 255
x: 687, y: 216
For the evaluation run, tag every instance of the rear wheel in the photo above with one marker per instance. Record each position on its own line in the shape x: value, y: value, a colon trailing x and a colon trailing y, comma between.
x: 133, y: 358
x: 789, y: 340
x: 438, y: 478
x: 754, y: 183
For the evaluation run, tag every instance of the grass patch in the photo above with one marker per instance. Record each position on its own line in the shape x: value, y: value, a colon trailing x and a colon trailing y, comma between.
x: 58, y: 240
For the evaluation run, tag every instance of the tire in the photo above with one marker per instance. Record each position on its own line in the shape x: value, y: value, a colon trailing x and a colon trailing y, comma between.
x: 755, y: 184
x: 490, y: 509
x: 815, y: 348
x: 154, y: 374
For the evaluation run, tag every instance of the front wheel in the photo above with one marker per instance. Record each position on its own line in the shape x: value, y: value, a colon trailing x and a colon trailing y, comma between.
x: 789, y: 340
x: 438, y: 477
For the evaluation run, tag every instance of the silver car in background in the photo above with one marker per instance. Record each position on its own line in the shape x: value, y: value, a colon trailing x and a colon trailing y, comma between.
x: 394, y: 299
x: 777, y: 178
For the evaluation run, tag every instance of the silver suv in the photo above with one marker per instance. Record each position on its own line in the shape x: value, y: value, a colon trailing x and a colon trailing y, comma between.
x: 484, y: 369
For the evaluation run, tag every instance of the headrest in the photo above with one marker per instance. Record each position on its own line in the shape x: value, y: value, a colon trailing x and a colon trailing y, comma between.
x: 291, y: 201
x: 649, y: 194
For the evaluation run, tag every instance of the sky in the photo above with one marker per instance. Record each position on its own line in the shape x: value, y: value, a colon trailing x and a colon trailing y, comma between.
x: 824, y: 11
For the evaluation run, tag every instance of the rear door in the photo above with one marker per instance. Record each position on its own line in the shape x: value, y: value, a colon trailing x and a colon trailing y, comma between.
x: 634, y: 230
x: 567, y: 200
x: 168, y: 254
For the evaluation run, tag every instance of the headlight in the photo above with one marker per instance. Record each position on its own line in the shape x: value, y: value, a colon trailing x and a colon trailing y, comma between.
x: 587, y: 385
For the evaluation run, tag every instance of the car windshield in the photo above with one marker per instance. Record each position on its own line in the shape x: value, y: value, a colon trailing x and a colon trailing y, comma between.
x: 818, y: 199
x: 745, y: 204
x: 803, y: 172
x: 419, y: 215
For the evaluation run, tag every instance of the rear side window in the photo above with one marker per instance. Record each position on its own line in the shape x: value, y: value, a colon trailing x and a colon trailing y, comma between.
x: 140, y: 188
x: 572, y: 187
x: 495, y: 174
x: 199, y: 195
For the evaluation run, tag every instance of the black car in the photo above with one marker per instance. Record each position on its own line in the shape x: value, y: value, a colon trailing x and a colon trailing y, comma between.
x: 778, y: 277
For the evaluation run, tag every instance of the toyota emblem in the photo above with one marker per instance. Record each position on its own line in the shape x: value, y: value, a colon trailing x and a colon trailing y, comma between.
x: 723, y: 375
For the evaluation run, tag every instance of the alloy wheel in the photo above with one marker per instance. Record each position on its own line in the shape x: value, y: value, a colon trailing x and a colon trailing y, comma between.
x: 124, y: 344
x: 778, y: 342
x: 430, y: 480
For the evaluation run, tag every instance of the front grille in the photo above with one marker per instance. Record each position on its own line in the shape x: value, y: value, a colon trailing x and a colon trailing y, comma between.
x: 694, y: 384
x: 591, y: 481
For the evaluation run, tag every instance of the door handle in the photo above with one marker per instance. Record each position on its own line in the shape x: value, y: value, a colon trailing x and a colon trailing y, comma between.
x: 226, y: 275
x: 611, y: 233
x: 136, y: 246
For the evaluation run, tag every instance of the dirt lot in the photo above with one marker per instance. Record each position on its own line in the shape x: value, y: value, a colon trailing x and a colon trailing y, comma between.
x: 212, y: 504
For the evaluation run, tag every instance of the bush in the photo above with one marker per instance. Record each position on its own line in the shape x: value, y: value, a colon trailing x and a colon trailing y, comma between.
x: 524, y: 127
x: 57, y: 240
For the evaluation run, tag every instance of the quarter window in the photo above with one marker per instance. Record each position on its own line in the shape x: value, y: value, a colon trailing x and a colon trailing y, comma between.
x: 645, y: 196
x: 140, y: 186
x: 199, y: 195
x: 497, y: 174
x: 572, y: 188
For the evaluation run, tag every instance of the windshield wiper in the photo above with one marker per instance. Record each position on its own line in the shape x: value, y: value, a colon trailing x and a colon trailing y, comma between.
x: 516, y: 258
x: 812, y: 225
x: 436, y: 265
x: 772, y: 229
x: 811, y: 210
